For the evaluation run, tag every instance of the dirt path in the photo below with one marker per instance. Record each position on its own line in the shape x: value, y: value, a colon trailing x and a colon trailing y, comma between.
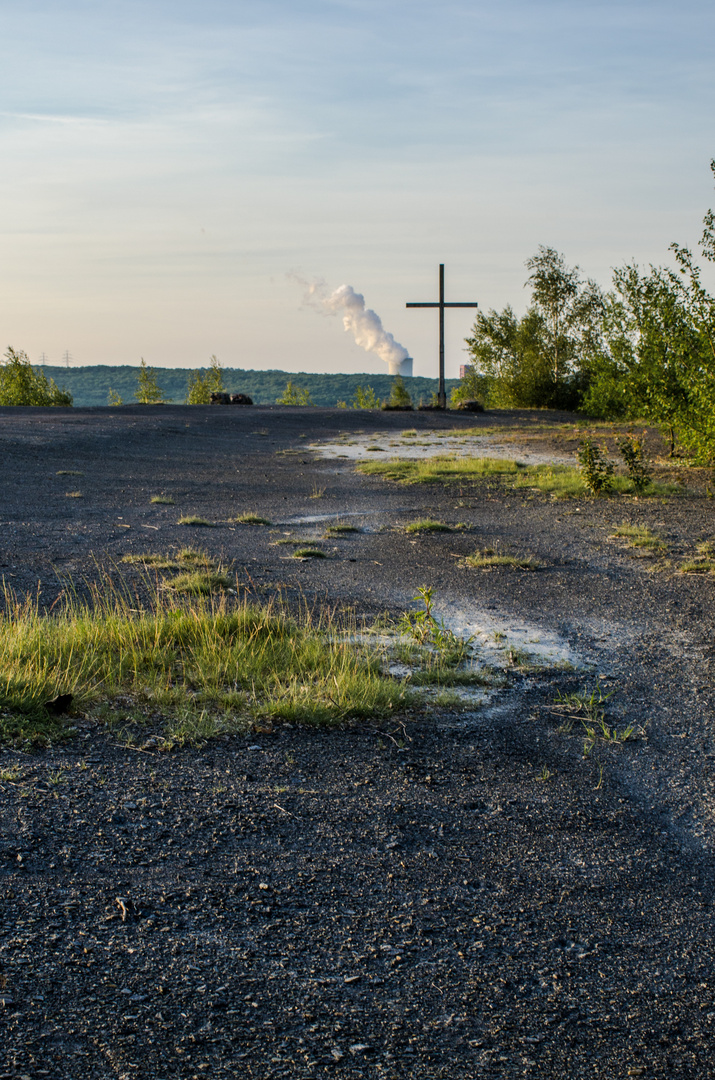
x: 451, y: 896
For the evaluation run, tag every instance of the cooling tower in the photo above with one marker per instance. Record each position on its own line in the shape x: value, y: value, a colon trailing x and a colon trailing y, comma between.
x: 400, y: 367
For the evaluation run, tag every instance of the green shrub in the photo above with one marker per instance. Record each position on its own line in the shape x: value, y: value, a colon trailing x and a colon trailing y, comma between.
x: 148, y: 391
x: 200, y: 387
x: 365, y: 399
x: 596, y: 469
x: 22, y: 384
x: 632, y: 452
x: 294, y: 395
x: 399, y: 396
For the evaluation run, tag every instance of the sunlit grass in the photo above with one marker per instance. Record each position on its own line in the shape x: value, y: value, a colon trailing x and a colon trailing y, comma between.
x: 250, y: 519
x: 639, y: 536
x: 560, y: 481
x: 442, y: 467
x: 428, y: 525
x: 202, y: 664
x: 489, y: 559
x: 184, y: 558
x: 193, y: 520
x: 341, y: 530
x: 161, y: 500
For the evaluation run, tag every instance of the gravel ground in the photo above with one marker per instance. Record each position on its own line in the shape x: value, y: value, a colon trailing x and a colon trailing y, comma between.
x: 457, y: 895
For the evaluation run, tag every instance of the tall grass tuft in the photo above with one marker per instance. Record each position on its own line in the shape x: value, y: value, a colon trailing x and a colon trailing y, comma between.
x: 202, y: 662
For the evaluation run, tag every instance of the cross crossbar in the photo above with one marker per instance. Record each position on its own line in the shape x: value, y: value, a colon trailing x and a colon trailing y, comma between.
x: 442, y: 304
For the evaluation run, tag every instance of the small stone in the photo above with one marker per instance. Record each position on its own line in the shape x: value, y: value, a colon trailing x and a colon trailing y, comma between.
x: 359, y: 1048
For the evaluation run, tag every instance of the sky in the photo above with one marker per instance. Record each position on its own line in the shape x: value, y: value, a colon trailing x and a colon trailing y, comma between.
x: 171, y: 167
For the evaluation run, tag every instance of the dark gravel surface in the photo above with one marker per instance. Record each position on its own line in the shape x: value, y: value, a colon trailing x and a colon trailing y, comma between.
x: 456, y: 895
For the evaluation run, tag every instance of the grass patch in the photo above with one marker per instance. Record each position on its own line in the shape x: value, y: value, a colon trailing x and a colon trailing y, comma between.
x: 309, y: 553
x: 639, y: 536
x: 439, y: 469
x: 250, y: 519
x: 200, y: 582
x: 69, y: 472
x: 161, y: 500
x: 489, y: 559
x: 697, y: 566
x: 341, y: 530
x: 186, y: 557
x: 428, y: 525
x: 206, y: 664
x: 74, y: 494
x: 192, y: 520
x: 561, y: 481
x: 704, y: 563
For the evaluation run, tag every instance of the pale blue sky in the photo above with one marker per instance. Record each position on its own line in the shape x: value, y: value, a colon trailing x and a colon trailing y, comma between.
x: 166, y: 164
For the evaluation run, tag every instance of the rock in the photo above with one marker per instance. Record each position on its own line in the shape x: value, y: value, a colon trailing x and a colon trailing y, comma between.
x: 470, y: 406
x: 241, y: 399
x: 218, y: 397
x: 59, y: 705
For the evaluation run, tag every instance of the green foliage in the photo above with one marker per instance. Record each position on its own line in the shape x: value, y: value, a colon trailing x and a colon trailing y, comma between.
x: 656, y: 355
x: 535, y: 361
x: 596, y: 469
x: 148, y: 391
x: 207, y: 664
x: 365, y: 398
x: 90, y: 385
x: 399, y: 395
x: 427, y: 525
x: 294, y: 395
x: 633, y: 454
x: 113, y: 398
x: 473, y: 387
x: 22, y: 384
x: 490, y: 559
x: 200, y: 386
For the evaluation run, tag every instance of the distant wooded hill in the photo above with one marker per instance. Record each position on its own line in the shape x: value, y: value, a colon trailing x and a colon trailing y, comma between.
x: 91, y: 385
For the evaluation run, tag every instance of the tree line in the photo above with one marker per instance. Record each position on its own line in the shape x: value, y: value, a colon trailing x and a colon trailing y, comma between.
x: 644, y: 349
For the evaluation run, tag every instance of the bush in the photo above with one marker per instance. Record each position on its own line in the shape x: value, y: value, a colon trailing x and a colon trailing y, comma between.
x: 200, y: 387
x: 148, y: 391
x: 596, y: 469
x: 21, y: 384
x: 294, y: 395
x: 365, y: 399
x: 399, y: 396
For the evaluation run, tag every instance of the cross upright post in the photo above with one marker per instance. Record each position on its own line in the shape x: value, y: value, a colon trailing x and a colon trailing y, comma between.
x: 441, y: 392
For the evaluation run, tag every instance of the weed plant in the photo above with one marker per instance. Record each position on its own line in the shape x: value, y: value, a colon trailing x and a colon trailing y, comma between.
x: 341, y: 530
x: 162, y: 500
x: 309, y: 553
x: 589, y: 709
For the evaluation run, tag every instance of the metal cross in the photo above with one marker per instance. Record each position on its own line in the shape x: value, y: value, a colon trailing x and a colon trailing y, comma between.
x: 441, y: 393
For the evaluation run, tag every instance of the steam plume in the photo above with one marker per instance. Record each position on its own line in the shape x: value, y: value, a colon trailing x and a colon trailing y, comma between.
x: 363, y: 323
